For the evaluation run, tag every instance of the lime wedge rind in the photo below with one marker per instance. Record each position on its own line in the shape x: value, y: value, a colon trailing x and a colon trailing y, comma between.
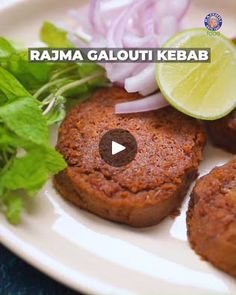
x: 212, y: 88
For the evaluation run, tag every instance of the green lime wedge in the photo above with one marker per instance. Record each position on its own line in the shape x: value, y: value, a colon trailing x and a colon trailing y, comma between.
x: 202, y: 90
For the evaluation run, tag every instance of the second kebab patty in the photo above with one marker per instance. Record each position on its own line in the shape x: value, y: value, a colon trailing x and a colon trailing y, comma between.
x: 153, y: 185
x: 223, y: 132
x: 211, y: 218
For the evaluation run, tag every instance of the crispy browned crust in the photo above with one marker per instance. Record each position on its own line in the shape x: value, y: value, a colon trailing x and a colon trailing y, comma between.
x: 223, y: 132
x: 211, y: 217
x: 126, y: 211
x: 142, y: 193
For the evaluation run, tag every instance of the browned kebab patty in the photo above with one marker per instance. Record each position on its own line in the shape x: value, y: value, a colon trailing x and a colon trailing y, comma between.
x: 211, y: 217
x: 154, y: 184
x: 223, y: 132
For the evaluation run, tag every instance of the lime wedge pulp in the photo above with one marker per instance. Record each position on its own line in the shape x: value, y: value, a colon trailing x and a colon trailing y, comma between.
x: 202, y: 90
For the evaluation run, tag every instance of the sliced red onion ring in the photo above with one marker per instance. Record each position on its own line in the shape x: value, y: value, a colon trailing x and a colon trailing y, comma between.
x: 144, y: 82
x: 150, y: 103
x: 176, y: 8
x: 131, y: 24
x: 134, y: 41
x: 117, y: 30
x: 120, y: 71
x: 167, y: 27
x: 95, y: 18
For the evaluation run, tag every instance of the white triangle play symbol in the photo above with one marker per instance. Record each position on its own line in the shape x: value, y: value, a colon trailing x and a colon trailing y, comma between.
x: 117, y: 148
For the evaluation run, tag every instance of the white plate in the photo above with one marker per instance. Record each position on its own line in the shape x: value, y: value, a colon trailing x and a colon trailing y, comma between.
x: 88, y: 253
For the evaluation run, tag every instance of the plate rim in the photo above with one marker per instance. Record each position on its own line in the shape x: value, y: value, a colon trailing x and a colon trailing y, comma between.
x: 59, y: 276
x: 21, y: 252
x: 49, y: 271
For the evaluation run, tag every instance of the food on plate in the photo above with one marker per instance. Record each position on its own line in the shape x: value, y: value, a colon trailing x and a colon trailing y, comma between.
x: 223, y: 132
x: 32, y: 97
x: 40, y: 94
x: 130, y: 24
x: 211, y: 217
x: 153, y: 185
x: 202, y: 90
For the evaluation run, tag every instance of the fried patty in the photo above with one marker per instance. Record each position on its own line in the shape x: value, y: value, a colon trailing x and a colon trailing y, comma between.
x: 223, y: 132
x: 211, y: 217
x: 154, y: 184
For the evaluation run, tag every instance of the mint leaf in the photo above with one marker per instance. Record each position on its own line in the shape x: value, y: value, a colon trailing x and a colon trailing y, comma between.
x: 87, y: 69
x: 33, y: 96
x: 14, y: 205
x: 31, y: 75
x: 10, y: 86
x: 31, y: 171
x: 6, y: 49
x: 58, y: 113
x: 91, y: 68
x: 27, y: 173
x: 25, y: 119
x: 54, y: 37
x: 9, y: 141
x: 54, y: 161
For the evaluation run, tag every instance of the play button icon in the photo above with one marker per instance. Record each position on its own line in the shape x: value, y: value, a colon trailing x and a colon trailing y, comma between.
x: 118, y: 147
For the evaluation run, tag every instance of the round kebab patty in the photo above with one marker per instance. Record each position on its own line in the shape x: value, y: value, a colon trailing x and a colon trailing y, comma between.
x: 153, y: 185
x: 223, y: 132
x: 211, y: 217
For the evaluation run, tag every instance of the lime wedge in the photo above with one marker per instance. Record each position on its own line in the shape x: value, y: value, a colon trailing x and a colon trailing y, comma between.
x: 202, y: 90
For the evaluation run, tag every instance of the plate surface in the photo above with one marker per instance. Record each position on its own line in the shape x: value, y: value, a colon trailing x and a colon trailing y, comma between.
x: 88, y: 253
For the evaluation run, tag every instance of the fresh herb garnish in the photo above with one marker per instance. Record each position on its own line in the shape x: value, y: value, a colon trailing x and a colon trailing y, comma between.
x: 54, y: 37
x: 32, y: 97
